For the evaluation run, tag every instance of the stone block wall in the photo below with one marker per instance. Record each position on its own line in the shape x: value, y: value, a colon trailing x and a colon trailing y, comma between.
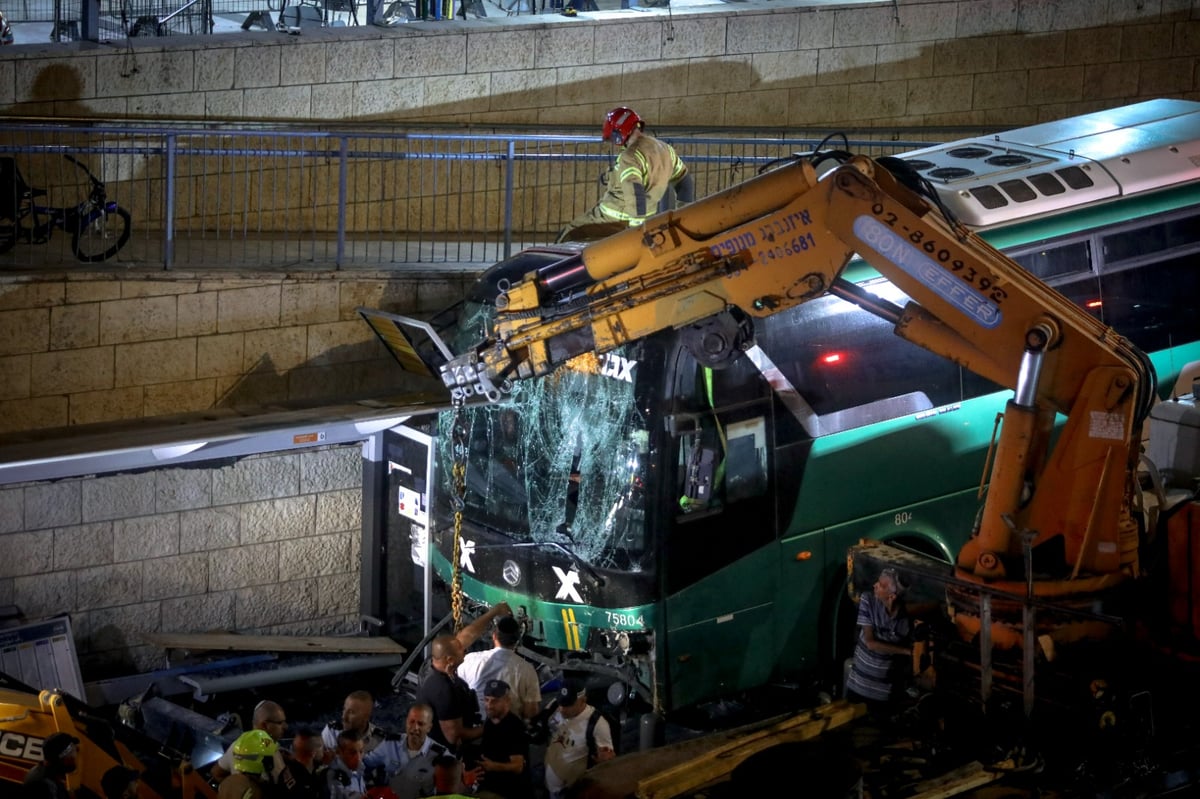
x: 267, y: 544
x: 920, y: 62
x: 84, y: 349
x: 270, y: 544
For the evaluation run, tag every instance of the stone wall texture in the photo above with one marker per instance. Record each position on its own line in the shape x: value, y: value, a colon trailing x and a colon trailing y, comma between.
x: 269, y: 545
x: 930, y: 62
x: 82, y: 349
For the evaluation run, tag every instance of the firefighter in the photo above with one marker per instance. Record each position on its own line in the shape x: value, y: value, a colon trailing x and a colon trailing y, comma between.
x: 253, y: 760
x: 644, y: 170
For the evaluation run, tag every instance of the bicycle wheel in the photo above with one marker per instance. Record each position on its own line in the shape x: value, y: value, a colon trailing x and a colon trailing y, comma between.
x: 101, y: 238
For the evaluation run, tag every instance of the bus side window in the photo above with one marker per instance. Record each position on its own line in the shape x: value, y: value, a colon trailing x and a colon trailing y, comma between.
x: 746, y: 459
x: 721, y: 467
x: 725, y: 508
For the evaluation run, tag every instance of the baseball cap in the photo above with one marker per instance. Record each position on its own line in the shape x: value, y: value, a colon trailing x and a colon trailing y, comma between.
x: 570, y: 692
x: 508, y: 631
x: 495, y: 689
x: 56, y: 745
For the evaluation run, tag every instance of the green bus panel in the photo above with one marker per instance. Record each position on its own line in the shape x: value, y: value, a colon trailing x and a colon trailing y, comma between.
x: 721, y: 631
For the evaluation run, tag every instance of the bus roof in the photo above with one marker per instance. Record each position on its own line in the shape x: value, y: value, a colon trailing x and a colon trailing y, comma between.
x: 1049, y: 168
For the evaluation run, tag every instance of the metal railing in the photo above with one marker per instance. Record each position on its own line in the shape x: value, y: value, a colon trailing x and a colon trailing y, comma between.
x: 271, y: 197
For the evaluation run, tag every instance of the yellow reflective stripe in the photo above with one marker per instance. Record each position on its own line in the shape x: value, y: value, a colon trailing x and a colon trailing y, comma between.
x: 641, y: 169
x: 621, y: 215
x: 571, y: 629
x: 679, y: 169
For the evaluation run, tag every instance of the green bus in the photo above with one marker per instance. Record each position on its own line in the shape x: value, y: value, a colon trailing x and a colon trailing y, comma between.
x: 680, y: 526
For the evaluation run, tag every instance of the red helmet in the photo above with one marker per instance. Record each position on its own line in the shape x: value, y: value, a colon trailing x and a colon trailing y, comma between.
x: 620, y: 123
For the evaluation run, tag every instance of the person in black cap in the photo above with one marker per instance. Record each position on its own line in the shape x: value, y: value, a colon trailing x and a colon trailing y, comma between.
x: 48, y: 779
x: 573, y: 735
x: 502, y: 662
x: 504, y: 749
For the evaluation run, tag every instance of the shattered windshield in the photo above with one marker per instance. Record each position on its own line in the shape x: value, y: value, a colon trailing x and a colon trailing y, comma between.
x: 561, y: 459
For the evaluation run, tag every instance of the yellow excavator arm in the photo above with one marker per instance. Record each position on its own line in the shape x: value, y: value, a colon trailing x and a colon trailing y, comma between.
x: 27, y: 719
x: 782, y: 239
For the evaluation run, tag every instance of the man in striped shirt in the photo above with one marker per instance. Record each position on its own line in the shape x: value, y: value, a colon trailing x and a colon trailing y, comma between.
x: 644, y: 170
x: 883, y: 655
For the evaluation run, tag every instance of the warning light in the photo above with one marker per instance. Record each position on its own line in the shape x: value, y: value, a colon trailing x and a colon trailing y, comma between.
x: 1093, y: 304
x: 833, y: 357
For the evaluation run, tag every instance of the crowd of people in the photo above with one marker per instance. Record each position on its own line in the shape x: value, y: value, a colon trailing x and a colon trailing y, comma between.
x: 467, y: 733
x: 469, y: 730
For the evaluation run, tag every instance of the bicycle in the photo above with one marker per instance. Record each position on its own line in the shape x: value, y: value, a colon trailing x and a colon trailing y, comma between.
x: 99, y: 227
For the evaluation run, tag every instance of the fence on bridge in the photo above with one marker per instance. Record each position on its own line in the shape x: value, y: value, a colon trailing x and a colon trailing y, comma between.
x: 272, y: 197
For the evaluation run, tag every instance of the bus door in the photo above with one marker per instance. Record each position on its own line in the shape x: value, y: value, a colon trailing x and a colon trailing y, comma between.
x: 720, y: 565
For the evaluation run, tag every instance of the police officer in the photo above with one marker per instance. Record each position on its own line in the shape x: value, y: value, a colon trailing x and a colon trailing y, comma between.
x: 356, y: 718
x: 407, y: 760
x: 303, y: 775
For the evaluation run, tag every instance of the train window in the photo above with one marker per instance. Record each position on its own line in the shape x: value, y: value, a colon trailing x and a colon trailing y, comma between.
x: 1143, y: 303
x: 1074, y: 258
x: 1150, y: 239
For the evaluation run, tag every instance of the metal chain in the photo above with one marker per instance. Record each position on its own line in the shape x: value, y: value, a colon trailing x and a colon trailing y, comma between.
x: 458, y: 473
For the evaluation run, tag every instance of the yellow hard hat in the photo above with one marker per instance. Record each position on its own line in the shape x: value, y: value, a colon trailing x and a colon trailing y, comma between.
x: 250, y: 749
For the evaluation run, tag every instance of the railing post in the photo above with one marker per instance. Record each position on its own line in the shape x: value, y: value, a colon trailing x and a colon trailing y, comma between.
x: 343, y: 167
x: 509, y: 170
x: 89, y: 20
x: 169, y: 205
